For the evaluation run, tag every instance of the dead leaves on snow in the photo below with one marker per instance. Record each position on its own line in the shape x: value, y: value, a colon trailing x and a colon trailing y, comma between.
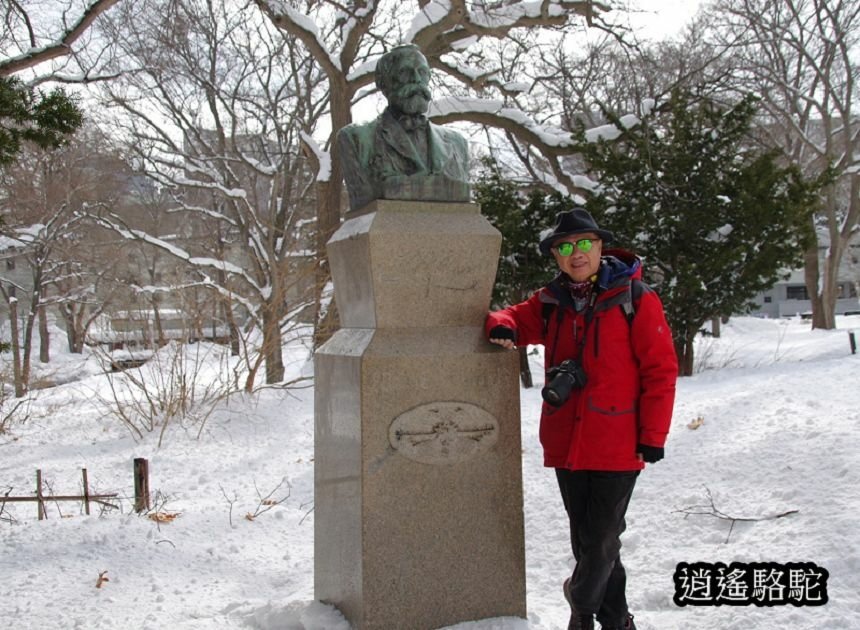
x: 163, y: 517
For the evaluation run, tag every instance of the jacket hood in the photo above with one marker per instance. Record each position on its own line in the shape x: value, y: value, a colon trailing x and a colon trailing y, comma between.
x: 618, y: 265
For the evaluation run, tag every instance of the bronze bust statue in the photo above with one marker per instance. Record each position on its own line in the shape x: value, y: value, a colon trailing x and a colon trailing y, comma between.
x: 402, y: 155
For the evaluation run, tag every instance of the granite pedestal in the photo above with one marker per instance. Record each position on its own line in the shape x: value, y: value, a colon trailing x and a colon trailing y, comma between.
x: 418, y: 484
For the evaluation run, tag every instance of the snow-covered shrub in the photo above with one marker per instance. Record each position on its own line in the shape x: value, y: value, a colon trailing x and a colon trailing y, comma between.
x: 12, y: 410
x: 180, y: 383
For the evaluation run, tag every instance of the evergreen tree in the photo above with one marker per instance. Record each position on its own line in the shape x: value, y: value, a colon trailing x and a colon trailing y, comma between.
x: 29, y: 116
x: 715, y: 220
x: 520, y: 216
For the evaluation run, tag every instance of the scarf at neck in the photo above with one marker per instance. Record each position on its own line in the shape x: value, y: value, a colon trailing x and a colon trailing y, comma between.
x: 580, y: 292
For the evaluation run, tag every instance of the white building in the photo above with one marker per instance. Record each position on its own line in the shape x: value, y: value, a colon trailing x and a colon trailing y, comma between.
x: 788, y: 298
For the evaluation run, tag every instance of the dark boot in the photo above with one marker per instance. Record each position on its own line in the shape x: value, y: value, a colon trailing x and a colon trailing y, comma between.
x: 627, y: 625
x: 578, y: 620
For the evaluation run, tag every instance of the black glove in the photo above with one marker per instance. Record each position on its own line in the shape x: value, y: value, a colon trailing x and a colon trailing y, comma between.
x: 503, y: 332
x: 650, y: 454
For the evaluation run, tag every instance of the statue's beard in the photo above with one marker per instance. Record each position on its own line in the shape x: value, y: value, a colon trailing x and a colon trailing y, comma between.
x: 412, y: 98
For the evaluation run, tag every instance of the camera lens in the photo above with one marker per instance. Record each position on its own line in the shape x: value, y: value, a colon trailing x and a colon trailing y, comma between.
x: 551, y: 396
x: 562, y: 380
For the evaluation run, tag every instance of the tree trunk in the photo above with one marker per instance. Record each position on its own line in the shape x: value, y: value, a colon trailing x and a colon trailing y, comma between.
x: 80, y: 334
x: 27, y: 348
x: 325, y: 318
x: 252, y: 376
x: 272, y: 345
x: 830, y: 286
x: 822, y: 284
x: 44, y: 337
x: 839, y: 232
x: 327, y: 322
x: 828, y: 308
x: 227, y: 308
x: 810, y: 276
x: 716, y: 330
x: 72, y: 338
x: 328, y: 215
x: 525, y: 370
x: 67, y: 313
x: 684, y: 353
x: 235, y: 342
x: 824, y: 303
x: 159, y: 328
x: 76, y: 331
x: 20, y: 385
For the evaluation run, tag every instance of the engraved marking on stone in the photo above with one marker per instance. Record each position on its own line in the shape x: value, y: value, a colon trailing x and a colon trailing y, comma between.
x: 443, y: 432
x: 447, y: 287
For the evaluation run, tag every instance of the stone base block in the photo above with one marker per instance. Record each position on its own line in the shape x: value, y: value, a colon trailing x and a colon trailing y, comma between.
x: 418, y: 505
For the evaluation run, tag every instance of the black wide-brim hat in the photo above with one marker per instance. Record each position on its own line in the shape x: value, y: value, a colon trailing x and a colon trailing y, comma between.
x: 576, y: 221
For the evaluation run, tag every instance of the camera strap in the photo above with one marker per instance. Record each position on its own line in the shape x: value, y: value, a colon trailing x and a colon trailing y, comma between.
x: 589, y: 315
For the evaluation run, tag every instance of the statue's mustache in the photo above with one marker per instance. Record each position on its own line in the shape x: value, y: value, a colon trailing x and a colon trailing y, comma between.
x: 413, y: 89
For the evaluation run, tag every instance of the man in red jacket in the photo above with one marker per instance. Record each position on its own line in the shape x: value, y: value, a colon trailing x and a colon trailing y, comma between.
x: 609, y: 393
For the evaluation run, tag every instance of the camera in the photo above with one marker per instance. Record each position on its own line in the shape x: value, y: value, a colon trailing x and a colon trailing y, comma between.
x: 561, y: 380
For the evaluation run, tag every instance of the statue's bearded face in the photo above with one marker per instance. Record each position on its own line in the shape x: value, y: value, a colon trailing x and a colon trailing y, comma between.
x: 408, y: 83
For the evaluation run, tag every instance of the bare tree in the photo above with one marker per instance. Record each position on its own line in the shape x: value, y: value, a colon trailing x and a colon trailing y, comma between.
x: 41, y: 42
x: 572, y: 85
x: 37, y: 242
x: 801, y: 57
x: 33, y: 35
x: 213, y: 106
x: 616, y: 76
x: 42, y: 199
x: 478, y: 51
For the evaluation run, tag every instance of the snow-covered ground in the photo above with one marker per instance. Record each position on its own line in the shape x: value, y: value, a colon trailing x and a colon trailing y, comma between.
x: 780, y: 433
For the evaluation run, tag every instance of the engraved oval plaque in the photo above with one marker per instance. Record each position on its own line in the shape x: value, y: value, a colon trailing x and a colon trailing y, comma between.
x: 443, y: 432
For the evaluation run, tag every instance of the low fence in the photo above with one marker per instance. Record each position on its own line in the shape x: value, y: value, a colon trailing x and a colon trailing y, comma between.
x: 141, y: 493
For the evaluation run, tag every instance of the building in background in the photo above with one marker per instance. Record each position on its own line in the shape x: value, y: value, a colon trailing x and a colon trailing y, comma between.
x: 789, y: 297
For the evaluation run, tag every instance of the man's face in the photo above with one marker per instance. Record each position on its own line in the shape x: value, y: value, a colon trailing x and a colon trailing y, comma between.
x: 410, y: 77
x: 579, y: 265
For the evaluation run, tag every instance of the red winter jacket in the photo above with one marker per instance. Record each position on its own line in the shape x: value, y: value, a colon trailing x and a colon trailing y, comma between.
x: 630, y: 366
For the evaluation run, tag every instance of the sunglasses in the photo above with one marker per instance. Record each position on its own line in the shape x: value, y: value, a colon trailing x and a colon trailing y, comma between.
x: 584, y: 245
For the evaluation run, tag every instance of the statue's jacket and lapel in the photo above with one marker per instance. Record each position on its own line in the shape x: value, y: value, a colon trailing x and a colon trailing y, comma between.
x: 374, y: 151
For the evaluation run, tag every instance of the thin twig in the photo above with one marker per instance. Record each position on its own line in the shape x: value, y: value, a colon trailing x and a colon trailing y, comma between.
x: 7, y: 517
x: 266, y: 503
x: 711, y: 510
x: 308, y: 513
x: 230, y: 503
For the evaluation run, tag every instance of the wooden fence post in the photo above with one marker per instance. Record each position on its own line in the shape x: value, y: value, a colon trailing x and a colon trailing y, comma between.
x: 43, y: 513
x: 86, y: 491
x: 141, y: 485
x: 853, y: 342
x: 41, y: 498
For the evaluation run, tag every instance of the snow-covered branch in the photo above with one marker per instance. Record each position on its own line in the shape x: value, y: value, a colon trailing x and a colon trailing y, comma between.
x: 59, y: 47
x: 321, y: 158
x: 303, y: 28
x: 551, y: 142
x: 206, y: 283
x: 116, y: 224
x: 445, y: 23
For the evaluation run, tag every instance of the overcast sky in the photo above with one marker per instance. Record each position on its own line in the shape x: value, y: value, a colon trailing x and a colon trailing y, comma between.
x: 662, y: 18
